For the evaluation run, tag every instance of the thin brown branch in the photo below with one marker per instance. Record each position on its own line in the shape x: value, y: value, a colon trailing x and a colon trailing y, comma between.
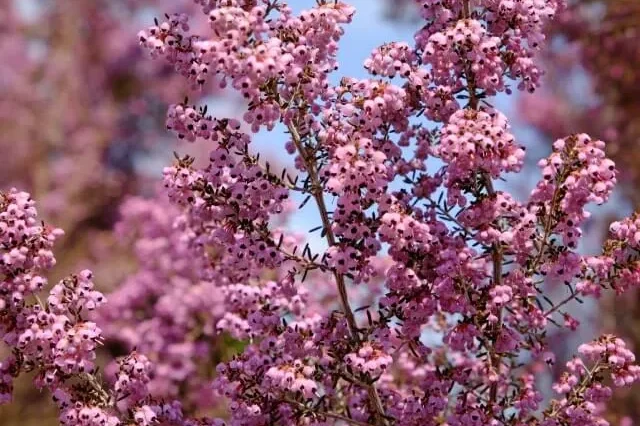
x: 318, y: 195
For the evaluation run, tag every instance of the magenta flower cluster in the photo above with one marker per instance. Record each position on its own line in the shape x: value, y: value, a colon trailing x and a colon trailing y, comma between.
x: 53, y: 337
x: 428, y: 305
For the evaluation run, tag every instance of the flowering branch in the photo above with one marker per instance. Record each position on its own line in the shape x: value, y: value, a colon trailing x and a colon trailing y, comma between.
x: 450, y: 287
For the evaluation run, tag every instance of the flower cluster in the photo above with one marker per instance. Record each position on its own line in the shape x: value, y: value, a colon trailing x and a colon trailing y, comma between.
x: 478, y: 141
x: 493, y: 42
x: 369, y: 360
x: 189, y: 123
x: 461, y: 259
x: 582, y: 390
x: 575, y: 174
x: 53, y: 338
x: 294, y: 378
x: 170, y: 38
x: 465, y: 44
